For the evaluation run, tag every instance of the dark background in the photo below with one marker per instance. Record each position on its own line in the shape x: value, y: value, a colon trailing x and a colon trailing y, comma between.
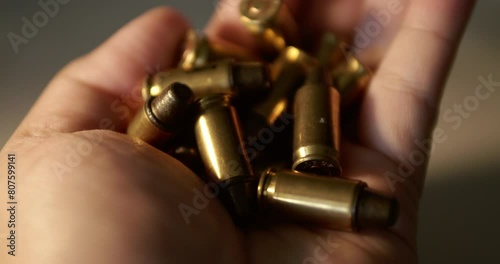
x: 460, y: 211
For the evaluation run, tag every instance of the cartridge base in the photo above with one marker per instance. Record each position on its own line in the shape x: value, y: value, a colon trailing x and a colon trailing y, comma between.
x: 317, y: 159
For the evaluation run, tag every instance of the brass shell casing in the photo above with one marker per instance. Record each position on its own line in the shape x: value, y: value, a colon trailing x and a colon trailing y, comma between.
x: 265, y: 20
x: 351, y: 78
x: 330, y: 53
x: 219, y: 137
x: 333, y: 203
x: 199, y: 51
x: 161, y: 117
x: 249, y: 78
x: 259, y: 15
x: 316, y: 137
x: 288, y: 73
x: 349, y: 75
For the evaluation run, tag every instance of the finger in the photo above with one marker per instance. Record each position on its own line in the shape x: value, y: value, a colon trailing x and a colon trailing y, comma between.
x: 401, y: 104
x: 226, y: 25
x: 102, y: 89
x: 379, y: 23
x: 300, y: 21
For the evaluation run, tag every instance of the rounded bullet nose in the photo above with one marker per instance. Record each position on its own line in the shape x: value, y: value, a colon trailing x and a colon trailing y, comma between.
x: 376, y: 211
x: 181, y: 92
x: 172, y: 105
x: 240, y: 198
x: 251, y: 78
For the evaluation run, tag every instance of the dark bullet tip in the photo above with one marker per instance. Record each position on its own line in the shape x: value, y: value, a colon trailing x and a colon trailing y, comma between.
x: 376, y: 211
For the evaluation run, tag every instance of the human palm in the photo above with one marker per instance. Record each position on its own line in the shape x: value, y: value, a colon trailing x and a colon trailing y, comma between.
x: 90, y: 195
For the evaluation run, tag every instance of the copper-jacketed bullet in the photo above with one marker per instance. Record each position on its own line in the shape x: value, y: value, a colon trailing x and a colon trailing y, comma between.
x: 235, y: 78
x: 162, y: 116
x: 199, y: 51
x: 329, y: 202
x: 316, y: 136
x: 218, y: 136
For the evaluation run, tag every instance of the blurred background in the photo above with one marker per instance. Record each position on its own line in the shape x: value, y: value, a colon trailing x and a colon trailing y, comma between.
x: 460, y: 215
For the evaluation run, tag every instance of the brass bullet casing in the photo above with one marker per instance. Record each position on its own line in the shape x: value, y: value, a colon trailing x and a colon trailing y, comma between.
x: 147, y: 88
x: 333, y: 203
x: 349, y: 75
x: 218, y: 136
x: 162, y: 116
x: 351, y: 78
x: 274, y: 112
x: 330, y: 53
x: 235, y: 78
x: 316, y: 137
x: 259, y: 15
x: 288, y: 73
x: 199, y: 51
x: 264, y: 19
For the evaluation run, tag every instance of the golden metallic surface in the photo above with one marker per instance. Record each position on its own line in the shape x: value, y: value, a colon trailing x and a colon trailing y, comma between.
x: 235, y: 78
x: 274, y: 38
x: 351, y: 78
x: 259, y: 15
x: 161, y: 117
x: 288, y: 73
x: 199, y: 51
x: 328, y: 202
x: 196, y: 51
x: 264, y: 19
x: 330, y: 53
x: 316, y: 138
x: 333, y: 203
x: 219, y: 138
x: 146, y: 89
x: 143, y: 128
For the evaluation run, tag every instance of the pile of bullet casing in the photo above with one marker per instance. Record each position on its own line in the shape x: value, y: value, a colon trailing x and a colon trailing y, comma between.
x: 231, y: 117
